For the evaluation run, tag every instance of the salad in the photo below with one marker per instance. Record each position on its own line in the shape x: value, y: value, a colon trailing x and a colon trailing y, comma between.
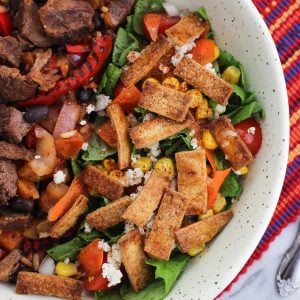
x: 125, y: 135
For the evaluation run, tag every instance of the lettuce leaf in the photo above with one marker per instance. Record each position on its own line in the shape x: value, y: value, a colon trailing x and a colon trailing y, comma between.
x: 220, y: 160
x: 232, y: 186
x: 109, y: 79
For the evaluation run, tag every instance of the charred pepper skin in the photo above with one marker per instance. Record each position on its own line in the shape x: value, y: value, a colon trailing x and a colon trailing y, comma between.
x: 101, y: 50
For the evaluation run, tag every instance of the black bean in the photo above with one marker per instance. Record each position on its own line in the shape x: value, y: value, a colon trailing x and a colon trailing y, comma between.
x: 38, y: 213
x: 36, y: 113
x: 97, y: 20
x: 84, y: 95
x: 22, y: 205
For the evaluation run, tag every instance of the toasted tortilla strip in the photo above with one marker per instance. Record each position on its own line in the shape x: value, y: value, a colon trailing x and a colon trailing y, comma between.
x: 147, y: 201
x: 202, y: 231
x: 102, y: 183
x: 230, y: 142
x: 148, y: 59
x: 192, y: 179
x: 8, y: 264
x: 155, y: 130
x: 186, y: 30
x: 204, y: 80
x: 165, y: 101
x: 14, y: 221
x: 160, y: 242
x: 120, y: 123
x: 133, y: 257
x: 109, y: 215
x: 69, y: 219
x: 49, y: 285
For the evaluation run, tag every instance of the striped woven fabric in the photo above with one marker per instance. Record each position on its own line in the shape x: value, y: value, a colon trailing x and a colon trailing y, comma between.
x: 283, y: 20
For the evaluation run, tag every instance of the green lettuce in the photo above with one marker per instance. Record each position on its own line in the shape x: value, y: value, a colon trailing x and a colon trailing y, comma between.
x: 232, y: 186
x: 109, y: 79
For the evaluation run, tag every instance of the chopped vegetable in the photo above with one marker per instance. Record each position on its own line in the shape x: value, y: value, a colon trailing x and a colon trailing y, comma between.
x: 65, y: 270
x: 220, y: 204
x: 231, y: 74
x: 96, y: 283
x: 205, y: 51
x: 107, y: 133
x: 196, y: 250
x: 208, y: 140
x: 5, y: 24
x: 77, y: 49
x: 109, y: 79
x: 208, y: 214
x: 27, y: 189
x: 165, y: 167
x: 232, y: 186
x: 172, y: 83
x: 210, y: 156
x: 197, y: 98
x: 143, y: 163
x: 10, y: 240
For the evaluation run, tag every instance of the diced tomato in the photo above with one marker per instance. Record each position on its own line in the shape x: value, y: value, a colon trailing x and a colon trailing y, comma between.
x: 107, y: 133
x: 77, y: 49
x: 155, y: 23
x: 118, y: 88
x: 5, y: 24
x: 91, y: 258
x: 95, y: 283
x: 204, y: 51
x: 250, y: 132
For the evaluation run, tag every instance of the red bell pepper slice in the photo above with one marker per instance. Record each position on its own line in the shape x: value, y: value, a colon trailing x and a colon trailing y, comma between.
x: 101, y: 49
x: 5, y: 24
x: 77, y: 49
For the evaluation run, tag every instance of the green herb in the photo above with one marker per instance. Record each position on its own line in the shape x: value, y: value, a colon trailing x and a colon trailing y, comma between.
x: 76, y: 166
x: 69, y: 250
x: 241, y: 93
x: 142, y: 7
x: 124, y: 43
x: 113, y: 294
x: 203, y: 14
x: 87, y: 237
x: 109, y: 79
x: 97, y: 150
x: 220, y: 160
x: 129, y: 21
x: 140, y: 113
x: 232, y: 186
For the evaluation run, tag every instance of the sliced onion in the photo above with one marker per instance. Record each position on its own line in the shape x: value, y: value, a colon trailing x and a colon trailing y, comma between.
x: 171, y: 9
x: 47, y: 266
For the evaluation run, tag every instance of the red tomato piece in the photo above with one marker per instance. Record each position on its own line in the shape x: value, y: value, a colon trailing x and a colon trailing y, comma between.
x: 77, y: 49
x: 250, y: 132
x: 204, y: 51
x: 166, y: 22
x: 5, y: 24
x: 118, y: 88
x: 95, y: 283
x: 107, y: 133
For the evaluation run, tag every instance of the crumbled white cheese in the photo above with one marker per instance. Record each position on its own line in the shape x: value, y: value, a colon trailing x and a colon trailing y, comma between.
x: 219, y: 110
x: 232, y: 200
x: 84, y: 146
x: 194, y: 143
x: 173, y: 184
x: 112, y: 274
x: 87, y: 228
x: 170, y: 9
x: 147, y: 175
x: 102, y: 102
x: 181, y: 51
x: 104, y: 246
x: 238, y: 172
x: 251, y: 130
x: 226, y: 157
x: 37, y: 157
x: 59, y: 177
x: 133, y: 195
x: 43, y: 235
x: 142, y: 230
x: 102, y: 113
x: 133, y: 177
x: 129, y: 227
x: 192, y: 132
x: 138, y: 190
x: 135, y: 158
x: 90, y: 108
x: 154, y: 151
x: 132, y: 121
x: 148, y: 116
x: 163, y: 68
x: 83, y: 122
x: 190, y: 55
x: 114, y: 256
x: 133, y: 56
x: 67, y: 260
x: 230, y: 133
x: 210, y: 67
x: 225, y: 144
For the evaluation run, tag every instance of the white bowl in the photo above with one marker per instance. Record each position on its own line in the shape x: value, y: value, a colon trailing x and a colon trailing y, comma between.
x: 241, y: 30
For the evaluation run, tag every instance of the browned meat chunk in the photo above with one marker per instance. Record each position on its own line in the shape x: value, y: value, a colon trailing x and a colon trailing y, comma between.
x: 14, y: 152
x: 14, y: 221
x: 8, y: 180
x: 9, y: 264
x: 67, y: 21
x: 29, y: 24
x: 14, y: 86
x: 117, y: 12
x: 12, y: 126
x: 10, y: 51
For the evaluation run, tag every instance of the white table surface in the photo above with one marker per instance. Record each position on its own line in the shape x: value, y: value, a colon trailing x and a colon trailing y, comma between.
x: 259, y: 281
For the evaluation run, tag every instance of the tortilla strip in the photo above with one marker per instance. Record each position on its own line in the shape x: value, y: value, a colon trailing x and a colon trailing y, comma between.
x: 204, y: 80
x: 8, y: 264
x: 49, y: 285
x: 109, y: 215
x: 202, y: 231
x: 69, y: 219
x: 120, y: 123
x: 140, y: 211
x: 230, y: 142
x: 165, y: 101
x: 192, y: 179
x: 155, y: 130
x: 186, y: 30
x: 160, y: 241
x: 133, y: 257
x: 102, y: 183
x: 148, y: 59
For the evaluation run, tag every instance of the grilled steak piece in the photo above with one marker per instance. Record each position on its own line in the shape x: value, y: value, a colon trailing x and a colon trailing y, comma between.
x: 8, y: 180
x: 14, y: 152
x: 12, y: 126
x: 67, y: 21
x: 10, y: 51
x: 14, y: 86
x: 29, y: 24
x: 14, y: 221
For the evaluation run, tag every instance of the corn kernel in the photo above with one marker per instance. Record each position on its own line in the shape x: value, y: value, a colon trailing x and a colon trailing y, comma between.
x: 165, y: 167
x: 183, y: 87
x: 150, y: 79
x: 203, y: 112
x: 118, y: 175
x: 231, y: 74
x: 65, y: 270
x: 244, y: 170
x: 208, y: 140
x: 216, y: 52
x: 208, y: 214
x: 196, y: 250
x: 110, y: 165
x: 219, y: 204
x: 143, y: 163
x: 172, y: 83
x: 197, y: 98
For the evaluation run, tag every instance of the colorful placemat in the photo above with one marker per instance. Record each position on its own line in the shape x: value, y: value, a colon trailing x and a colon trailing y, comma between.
x: 283, y: 20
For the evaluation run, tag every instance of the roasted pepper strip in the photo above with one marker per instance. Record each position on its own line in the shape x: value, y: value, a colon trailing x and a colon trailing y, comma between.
x: 96, y: 59
x: 5, y: 24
